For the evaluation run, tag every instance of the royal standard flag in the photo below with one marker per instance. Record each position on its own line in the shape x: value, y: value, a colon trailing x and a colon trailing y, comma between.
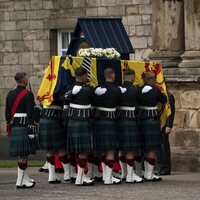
x: 61, y: 72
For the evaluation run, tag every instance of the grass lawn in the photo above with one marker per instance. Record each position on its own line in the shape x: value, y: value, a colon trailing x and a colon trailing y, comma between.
x: 13, y: 163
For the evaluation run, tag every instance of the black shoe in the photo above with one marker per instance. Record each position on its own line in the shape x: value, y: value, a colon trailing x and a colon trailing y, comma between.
x: 164, y: 173
x: 57, y: 181
x: 88, y: 184
x: 153, y: 180
x: 97, y: 179
x: 43, y: 170
x: 73, y: 180
x: 68, y: 180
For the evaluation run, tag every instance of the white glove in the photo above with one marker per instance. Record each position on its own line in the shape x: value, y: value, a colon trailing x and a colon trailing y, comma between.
x: 32, y: 136
x: 146, y: 88
x: 100, y: 91
x: 76, y: 89
x: 123, y: 90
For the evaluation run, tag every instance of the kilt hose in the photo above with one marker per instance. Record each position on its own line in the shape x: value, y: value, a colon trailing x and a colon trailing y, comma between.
x: 105, y: 135
x: 52, y: 135
x: 20, y: 143
x: 150, y: 133
x: 79, y: 136
x: 128, y: 135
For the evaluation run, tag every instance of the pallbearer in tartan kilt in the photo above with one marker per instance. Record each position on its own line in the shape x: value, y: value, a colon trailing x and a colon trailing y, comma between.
x: 151, y: 138
x: 149, y: 125
x: 51, y: 129
x: 105, y: 133
x: 20, y: 115
x: 94, y: 160
x: 72, y: 156
x: 79, y: 136
x: 128, y: 134
x: 52, y: 138
x: 79, y: 129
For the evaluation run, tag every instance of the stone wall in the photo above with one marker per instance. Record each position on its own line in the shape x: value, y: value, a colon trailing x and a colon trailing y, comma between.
x: 25, y: 28
x: 185, y: 137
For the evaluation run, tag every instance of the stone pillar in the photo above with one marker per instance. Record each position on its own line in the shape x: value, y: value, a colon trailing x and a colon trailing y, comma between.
x: 168, y: 32
x: 191, y: 56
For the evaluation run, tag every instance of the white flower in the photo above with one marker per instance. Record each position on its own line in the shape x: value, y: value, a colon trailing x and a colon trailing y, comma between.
x: 109, y: 53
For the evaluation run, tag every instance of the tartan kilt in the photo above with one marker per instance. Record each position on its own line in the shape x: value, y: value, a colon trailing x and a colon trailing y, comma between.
x: 105, y: 135
x: 51, y: 134
x: 65, y: 124
x: 92, y: 132
x: 150, y: 133
x: 128, y: 135
x: 20, y: 143
x: 79, y: 136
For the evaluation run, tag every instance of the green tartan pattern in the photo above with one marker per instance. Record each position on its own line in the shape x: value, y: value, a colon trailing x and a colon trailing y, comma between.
x: 79, y: 136
x: 128, y: 135
x: 65, y: 124
x: 105, y: 135
x: 52, y: 135
x: 150, y: 133
x: 20, y: 143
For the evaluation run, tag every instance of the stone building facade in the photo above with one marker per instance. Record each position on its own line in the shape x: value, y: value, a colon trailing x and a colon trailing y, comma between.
x: 164, y: 30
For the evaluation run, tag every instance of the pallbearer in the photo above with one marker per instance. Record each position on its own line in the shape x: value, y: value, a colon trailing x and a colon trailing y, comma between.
x: 72, y: 157
x: 20, y: 118
x: 149, y: 123
x: 105, y: 133
x: 128, y: 134
x: 52, y: 138
x: 79, y: 130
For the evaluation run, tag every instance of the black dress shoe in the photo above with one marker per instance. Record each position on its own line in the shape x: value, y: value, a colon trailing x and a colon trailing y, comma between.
x: 73, y: 180
x: 43, y: 170
x: 57, y: 181
x: 123, y: 179
x: 154, y: 179
x: 97, y: 179
x: 164, y: 173
x: 88, y: 184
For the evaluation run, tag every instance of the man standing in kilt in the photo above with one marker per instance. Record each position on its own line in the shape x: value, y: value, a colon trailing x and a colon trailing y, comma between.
x: 52, y: 138
x: 79, y: 130
x: 20, y: 115
x: 149, y: 124
x: 128, y: 134
x: 105, y: 133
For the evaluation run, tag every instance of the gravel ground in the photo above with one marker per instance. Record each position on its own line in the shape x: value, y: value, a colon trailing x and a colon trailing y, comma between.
x: 179, y: 186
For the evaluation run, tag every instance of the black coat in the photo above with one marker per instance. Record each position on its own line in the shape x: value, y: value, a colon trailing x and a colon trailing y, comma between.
x: 170, y: 119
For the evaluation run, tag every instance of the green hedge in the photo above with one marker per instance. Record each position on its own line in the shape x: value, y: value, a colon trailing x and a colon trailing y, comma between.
x: 13, y: 163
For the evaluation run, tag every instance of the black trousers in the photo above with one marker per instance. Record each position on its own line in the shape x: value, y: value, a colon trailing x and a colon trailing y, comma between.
x: 164, y: 154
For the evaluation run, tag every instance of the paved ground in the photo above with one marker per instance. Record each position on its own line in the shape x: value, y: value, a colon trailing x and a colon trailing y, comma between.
x: 178, y: 186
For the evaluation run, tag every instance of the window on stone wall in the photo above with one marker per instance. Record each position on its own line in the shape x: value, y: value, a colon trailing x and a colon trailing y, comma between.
x: 63, y: 40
